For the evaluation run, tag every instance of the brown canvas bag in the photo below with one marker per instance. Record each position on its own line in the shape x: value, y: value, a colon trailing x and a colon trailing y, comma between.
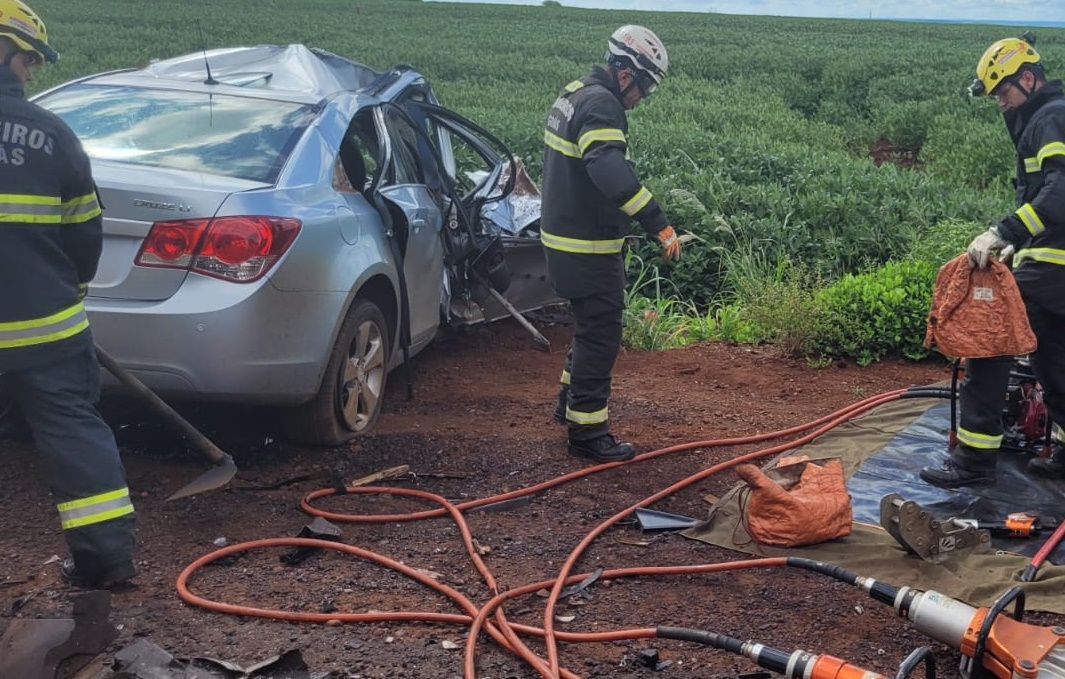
x: 978, y: 313
x: 815, y: 509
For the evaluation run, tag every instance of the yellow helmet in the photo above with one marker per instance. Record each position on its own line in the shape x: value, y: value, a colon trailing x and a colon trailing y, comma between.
x: 1000, y: 61
x: 25, y: 28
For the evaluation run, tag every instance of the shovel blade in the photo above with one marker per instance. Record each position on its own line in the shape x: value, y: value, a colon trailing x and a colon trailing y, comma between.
x: 212, y: 479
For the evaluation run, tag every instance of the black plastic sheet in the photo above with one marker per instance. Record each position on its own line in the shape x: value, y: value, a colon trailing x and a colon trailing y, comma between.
x: 894, y: 468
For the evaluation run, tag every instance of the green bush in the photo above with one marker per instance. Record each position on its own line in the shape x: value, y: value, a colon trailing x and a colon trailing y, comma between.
x: 944, y: 241
x: 876, y: 314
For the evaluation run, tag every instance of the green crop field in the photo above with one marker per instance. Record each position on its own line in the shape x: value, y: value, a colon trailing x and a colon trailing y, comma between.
x: 760, y: 141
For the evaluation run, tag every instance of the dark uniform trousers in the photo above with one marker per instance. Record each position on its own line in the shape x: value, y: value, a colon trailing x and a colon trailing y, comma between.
x: 596, y: 341
x: 982, y: 391
x: 80, y: 456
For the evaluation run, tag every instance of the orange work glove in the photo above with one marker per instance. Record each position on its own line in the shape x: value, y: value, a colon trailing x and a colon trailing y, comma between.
x: 670, y: 243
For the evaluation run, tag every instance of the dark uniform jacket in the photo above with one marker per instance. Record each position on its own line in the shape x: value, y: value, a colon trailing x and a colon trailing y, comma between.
x: 50, y: 233
x: 1037, y: 227
x: 590, y: 191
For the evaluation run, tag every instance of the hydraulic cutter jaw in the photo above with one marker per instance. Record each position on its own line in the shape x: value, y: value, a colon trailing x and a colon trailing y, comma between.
x: 1013, y: 649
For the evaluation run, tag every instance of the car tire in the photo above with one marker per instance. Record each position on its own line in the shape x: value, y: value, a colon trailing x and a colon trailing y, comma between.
x: 352, y: 391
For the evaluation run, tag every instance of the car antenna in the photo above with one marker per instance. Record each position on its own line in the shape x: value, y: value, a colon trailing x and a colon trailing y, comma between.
x: 210, y: 79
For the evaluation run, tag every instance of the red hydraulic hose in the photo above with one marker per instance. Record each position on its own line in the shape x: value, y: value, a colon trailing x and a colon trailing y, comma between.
x: 1048, y: 547
x: 829, y: 422
x: 490, y: 617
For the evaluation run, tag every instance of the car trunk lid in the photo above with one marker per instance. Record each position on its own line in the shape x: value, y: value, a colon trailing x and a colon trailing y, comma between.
x: 133, y: 199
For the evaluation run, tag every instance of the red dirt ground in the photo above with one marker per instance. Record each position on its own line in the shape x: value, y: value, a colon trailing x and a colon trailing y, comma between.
x: 478, y: 425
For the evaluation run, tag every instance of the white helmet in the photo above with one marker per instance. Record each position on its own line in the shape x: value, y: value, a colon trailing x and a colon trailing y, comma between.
x: 641, y: 48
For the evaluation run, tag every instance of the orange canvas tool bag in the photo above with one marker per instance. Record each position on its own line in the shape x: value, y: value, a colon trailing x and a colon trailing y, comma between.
x: 817, y: 508
x: 978, y: 313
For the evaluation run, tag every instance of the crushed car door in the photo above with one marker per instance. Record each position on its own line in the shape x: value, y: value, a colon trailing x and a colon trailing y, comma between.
x: 411, y: 209
x: 493, y: 231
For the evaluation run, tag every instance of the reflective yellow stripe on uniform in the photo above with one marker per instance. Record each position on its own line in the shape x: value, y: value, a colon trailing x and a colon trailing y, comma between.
x: 979, y: 441
x: 1054, y: 148
x: 66, y: 323
x: 95, y: 509
x: 603, y: 135
x: 81, y: 209
x: 574, y: 86
x: 577, y: 417
x: 1030, y: 218
x: 566, y: 148
x: 565, y: 377
x: 29, y: 209
x: 583, y: 247
x: 637, y: 202
x: 1048, y: 255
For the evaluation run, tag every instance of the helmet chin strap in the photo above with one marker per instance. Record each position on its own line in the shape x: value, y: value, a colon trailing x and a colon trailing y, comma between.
x: 1017, y: 83
x: 628, y: 88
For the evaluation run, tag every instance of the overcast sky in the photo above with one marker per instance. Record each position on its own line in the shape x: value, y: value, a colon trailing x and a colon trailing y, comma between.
x: 995, y: 11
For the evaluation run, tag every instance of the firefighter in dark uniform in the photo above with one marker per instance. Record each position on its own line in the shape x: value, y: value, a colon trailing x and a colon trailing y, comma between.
x: 50, y: 243
x: 1034, y: 113
x: 590, y: 196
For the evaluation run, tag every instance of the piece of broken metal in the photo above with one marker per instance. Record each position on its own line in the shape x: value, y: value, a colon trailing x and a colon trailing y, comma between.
x: 648, y: 657
x: 145, y: 660
x: 318, y: 529
x: 503, y: 505
x: 580, y: 587
x: 651, y: 519
x: 35, y: 649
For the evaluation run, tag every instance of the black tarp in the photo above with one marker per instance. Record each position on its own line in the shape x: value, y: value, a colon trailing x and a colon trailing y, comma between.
x: 882, y: 453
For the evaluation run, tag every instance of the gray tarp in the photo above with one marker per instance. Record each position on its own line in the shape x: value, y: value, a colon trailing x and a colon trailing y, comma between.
x: 882, y: 452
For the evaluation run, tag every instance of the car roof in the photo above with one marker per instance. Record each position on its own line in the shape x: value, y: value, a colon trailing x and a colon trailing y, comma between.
x: 290, y: 71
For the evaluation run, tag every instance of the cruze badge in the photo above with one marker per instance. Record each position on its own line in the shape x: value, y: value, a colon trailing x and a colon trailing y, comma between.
x: 156, y: 205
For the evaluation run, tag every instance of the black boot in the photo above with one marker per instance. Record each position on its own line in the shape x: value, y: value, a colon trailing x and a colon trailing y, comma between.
x: 605, y: 448
x: 1052, y: 467
x: 560, y: 408
x: 965, y: 467
x: 107, y: 578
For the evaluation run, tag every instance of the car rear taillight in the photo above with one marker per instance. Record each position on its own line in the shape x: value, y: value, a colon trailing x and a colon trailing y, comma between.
x: 239, y: 249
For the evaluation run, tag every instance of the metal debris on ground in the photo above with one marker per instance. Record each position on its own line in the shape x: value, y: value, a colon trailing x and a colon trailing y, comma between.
x: 581, y: 587
x: 42, y: 648
x: 648, y: 657
x: 651, y: 519
x: 319, y: 529
x: 145, y: 660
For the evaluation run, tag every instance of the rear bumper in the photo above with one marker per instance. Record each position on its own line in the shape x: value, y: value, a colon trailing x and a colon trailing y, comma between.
x: 218, y: 341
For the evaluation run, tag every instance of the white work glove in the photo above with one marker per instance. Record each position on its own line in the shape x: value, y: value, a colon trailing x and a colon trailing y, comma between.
x: 982, y: 247
x: 1007, y: 254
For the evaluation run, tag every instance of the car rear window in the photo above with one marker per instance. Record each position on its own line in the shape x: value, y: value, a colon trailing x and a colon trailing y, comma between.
x: 225, y: 135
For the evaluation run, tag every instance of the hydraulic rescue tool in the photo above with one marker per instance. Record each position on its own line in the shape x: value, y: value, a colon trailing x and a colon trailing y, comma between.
x: 1016, y: 525
x: 797, y: 664
x: 991, y: 644
x: 932, y: 539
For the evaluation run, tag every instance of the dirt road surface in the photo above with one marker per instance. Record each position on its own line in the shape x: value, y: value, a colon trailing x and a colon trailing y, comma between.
x: 478, y: 425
